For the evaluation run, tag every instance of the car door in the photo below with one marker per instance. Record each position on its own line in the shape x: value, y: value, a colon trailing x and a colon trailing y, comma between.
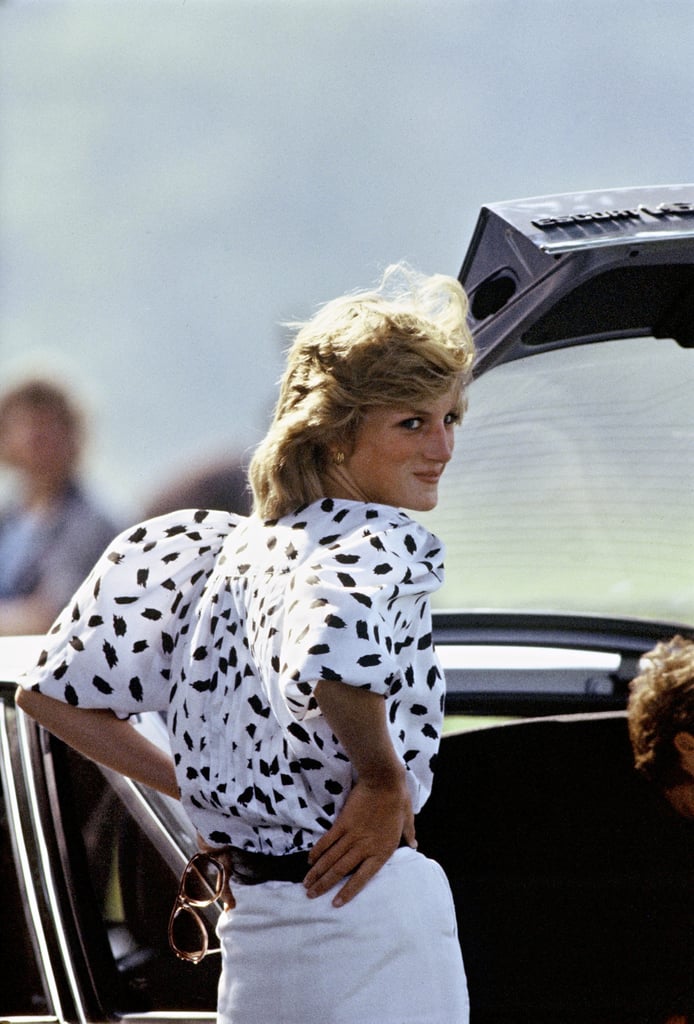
x: 92, y: 864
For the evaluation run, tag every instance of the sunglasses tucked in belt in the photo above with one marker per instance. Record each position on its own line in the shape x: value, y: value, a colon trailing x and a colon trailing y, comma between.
x: 202, y: 884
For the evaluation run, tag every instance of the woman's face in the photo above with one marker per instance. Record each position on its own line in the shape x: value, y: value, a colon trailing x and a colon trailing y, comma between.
x: 398, y: 455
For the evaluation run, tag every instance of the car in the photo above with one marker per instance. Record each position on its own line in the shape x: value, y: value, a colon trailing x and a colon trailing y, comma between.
x: 567, y: 519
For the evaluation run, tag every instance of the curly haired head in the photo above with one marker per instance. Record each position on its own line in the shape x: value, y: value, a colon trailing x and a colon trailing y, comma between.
x: 406, y: 341
x: 661, y: 705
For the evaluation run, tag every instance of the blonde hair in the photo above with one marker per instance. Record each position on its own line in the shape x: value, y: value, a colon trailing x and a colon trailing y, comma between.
x: 661, y: 704
x: 403, y: 342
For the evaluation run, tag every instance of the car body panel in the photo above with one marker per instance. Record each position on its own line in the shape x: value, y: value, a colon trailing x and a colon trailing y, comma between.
x: 554, y: 271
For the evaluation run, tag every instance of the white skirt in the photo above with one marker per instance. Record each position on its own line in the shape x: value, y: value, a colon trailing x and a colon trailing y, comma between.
x: 391, y: 956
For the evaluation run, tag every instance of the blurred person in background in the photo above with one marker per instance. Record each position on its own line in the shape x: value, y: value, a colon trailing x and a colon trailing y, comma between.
x: 52, y: 531
x: 221, y: 484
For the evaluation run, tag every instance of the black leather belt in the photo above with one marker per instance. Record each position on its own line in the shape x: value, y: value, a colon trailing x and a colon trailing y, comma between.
x: 246, y: 867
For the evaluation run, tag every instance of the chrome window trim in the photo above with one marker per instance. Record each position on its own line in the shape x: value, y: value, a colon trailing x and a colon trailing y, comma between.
x: 22, y: 861
x: 172, y: 1016
x: 132, y: 794
x: 23, y: 1019
x: 46, y: 867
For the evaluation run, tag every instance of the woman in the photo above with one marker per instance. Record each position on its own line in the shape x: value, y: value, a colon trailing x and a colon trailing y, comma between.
x: 292, y: 652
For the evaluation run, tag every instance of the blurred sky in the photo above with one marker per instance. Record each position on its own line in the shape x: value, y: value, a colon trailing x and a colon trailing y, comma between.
x: 177, y: 178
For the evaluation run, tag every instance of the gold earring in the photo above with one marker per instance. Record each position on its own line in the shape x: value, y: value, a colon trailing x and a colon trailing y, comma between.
x: 338, y: 458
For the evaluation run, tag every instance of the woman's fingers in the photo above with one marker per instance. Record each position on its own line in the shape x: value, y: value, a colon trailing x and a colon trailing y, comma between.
x: 366, y: 833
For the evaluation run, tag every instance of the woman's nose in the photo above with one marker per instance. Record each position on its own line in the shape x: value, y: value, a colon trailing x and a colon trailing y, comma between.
x: 440, y: 443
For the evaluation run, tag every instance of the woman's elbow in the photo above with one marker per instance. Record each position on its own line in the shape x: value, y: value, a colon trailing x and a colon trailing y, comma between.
x: 27, y: 700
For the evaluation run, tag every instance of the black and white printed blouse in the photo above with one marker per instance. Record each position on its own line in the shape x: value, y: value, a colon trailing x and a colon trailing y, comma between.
x: 226, y: 623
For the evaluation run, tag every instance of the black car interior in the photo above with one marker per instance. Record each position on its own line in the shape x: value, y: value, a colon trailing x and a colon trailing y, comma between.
x: 573, y: 880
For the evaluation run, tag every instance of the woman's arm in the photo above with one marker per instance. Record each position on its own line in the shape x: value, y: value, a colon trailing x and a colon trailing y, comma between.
x: 103, y: 737
x: 378, y: 810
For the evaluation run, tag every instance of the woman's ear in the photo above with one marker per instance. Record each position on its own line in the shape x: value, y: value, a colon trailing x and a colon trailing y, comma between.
x: 684, y: 741
x: 684, y: 744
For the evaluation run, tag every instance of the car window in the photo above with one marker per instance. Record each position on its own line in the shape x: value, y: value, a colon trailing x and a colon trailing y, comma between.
x: 572, y: 485
x: 132, y: 887
x: 491, y: 683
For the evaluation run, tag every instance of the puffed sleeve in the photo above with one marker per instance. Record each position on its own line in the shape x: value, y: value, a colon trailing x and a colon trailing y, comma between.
x: 354, y: 607
x: 112, y: 645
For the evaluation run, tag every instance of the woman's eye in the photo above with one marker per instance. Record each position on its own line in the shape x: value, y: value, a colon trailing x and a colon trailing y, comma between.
x: 452, y: 417
x: 413, y: 423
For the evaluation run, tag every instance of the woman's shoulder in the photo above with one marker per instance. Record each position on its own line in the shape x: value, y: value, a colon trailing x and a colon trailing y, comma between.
x: 170, y: 551
x: 374, y: 535
x: 111, y: 645
x: 350, y: 518
x: 183, y: 527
